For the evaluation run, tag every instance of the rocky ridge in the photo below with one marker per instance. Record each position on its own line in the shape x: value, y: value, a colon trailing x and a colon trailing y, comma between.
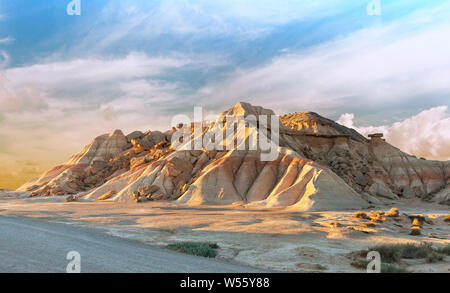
x: 320, y: 165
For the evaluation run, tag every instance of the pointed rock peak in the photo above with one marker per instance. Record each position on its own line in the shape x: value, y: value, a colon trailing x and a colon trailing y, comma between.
x: 101, y: 148
x: 116, y: 132
x: 244, y: 109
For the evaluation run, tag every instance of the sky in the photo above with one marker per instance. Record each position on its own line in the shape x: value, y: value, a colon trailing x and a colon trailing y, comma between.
x: 133, y: 65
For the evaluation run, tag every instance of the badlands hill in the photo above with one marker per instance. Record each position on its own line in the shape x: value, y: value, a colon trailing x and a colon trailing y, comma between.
x: 320, y: 165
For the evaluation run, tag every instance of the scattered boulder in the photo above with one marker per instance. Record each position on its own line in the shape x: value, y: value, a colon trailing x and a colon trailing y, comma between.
x: 371, y: 199
x: 134, y: 135
x: 361, y: 215
x: 382, y: 191
x: 415, y: 231
x: 97, y: 166
x: 71, y: 198
x: 148, y: 192
x: 106, y: 195
x: 417, y: 220
x: 392, y: 213
x: 362, y: 179
x: 157, y: 196
x: 408, y: 192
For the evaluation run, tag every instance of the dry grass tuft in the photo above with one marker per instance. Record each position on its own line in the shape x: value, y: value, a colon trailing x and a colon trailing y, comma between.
x: 204, y: 249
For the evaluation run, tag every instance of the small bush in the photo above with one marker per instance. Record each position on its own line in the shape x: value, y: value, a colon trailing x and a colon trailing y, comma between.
x: 444, y: 250
x: 447, y: 218
x: 413, y: 251
x: 385, y: 267
x: 392, y: 253
x: 195, y: 248
x: 360, y: 264
x: 434, y: 257
x: 389, y: 253
x: 390, y: 269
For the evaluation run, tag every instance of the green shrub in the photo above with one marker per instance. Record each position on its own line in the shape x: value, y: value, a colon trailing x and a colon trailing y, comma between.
x: 413, y: 251
x: 385, y: 267
x: 390, y: 268
x: 444, y: 250
x: 360, y: 264
x: 195, y: 248
x: 391, y: 253
x: 434, y: 257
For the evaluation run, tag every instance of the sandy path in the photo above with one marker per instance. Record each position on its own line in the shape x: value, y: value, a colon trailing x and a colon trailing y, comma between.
x: 273, y: 239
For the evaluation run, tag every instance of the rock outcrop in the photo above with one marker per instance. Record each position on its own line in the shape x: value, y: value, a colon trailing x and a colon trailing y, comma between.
x: 319, y: 165
x: 89, y: 168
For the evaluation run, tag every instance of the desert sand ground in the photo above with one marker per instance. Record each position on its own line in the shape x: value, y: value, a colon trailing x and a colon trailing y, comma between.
x: 268, y: 238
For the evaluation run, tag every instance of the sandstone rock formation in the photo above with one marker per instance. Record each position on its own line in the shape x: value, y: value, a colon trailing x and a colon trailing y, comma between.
x: 319, y: 165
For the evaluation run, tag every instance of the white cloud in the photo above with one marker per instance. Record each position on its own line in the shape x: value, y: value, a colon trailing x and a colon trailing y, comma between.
x: 153, y: 91
x: 377, y: 66
x: 90, y: 71
x: 35, y: 118
x: 26, y: 98
x: 6, y: 40
x: 426, y: 134
x: 4, y: 59
x: 141, y: 21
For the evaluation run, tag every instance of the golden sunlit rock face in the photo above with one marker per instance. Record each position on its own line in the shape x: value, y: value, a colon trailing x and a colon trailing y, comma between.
x: 313, y: 123
x: 319, y: 165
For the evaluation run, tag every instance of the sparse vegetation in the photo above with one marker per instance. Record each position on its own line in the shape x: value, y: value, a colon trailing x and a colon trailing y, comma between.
x: 391, y: 269
x: 204, y: 249
x: 393, y: 253
x: 434, y: 257
x: 385, y: 267
x: 444, y: 250
x: 360, y: 263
